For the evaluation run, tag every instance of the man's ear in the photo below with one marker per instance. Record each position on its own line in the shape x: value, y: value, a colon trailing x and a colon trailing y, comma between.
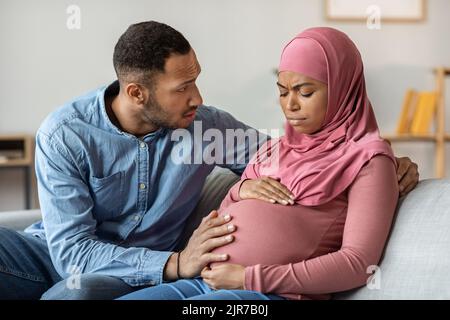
x: 135, y: 92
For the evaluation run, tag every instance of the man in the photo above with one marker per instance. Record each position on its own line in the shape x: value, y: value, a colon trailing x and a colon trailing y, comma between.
x: 114, y: 197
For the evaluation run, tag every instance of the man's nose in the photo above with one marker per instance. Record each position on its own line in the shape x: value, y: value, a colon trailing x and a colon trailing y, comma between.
x: 196, y: 99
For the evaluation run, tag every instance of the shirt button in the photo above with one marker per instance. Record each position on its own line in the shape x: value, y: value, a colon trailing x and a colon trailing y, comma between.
x: 142, y: 186
x: 136, y: 218
x: 143, y: 145
x: 152, y: 283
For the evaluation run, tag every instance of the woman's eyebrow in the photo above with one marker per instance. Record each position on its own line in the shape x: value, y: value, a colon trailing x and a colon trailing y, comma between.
x: 296, y: 86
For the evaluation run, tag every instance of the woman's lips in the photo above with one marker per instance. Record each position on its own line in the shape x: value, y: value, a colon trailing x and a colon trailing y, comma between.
x: 296, y: 121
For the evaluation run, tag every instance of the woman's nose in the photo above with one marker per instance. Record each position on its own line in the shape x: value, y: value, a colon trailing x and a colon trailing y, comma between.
x: 292, y: 103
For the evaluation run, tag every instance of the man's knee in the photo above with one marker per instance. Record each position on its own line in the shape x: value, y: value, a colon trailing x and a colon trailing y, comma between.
x: 88, y: 287
x: 24, y: 275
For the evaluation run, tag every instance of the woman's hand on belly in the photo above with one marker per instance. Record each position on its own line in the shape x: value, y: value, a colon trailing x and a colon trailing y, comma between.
x: 266, y: 189
x: 224, y: 276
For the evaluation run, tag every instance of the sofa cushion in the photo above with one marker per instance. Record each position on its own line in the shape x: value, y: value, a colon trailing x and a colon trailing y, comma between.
x: 19, y: 220
x: 416, y: 261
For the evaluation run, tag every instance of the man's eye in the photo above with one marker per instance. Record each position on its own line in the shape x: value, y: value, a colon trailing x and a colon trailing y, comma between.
x: 283, y: 94
x: 182, y: 89
x: 306, y: 95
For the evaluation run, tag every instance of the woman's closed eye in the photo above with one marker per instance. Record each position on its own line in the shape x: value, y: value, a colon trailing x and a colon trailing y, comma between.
x: 306, y: 94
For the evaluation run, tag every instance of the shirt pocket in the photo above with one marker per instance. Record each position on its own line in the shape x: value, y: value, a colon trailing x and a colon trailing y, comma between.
x: 107, y: 193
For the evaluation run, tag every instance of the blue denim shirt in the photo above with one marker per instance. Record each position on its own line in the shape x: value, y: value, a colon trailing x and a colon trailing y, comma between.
x: 114, y: 204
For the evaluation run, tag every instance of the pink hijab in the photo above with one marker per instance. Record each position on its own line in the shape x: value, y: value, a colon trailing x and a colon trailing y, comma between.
x: 320, y: 166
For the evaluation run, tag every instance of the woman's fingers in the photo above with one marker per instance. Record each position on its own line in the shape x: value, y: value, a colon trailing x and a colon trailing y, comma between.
x: 275, y: 195
x: 279, y: 189
x: 267, y: 195
x: 206, y: 273
x: 262, y: 196
x: 267, y: 189
x: 277, y: 184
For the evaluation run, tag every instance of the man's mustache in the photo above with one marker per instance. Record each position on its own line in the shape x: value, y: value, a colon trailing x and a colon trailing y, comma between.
x: 191, y: 110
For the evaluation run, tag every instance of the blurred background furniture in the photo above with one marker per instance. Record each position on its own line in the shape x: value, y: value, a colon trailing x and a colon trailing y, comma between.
x: 439, y: 137
x: 16, y: 151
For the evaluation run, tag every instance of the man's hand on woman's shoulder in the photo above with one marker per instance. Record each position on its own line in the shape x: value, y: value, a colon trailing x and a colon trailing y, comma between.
x: 407, y: 175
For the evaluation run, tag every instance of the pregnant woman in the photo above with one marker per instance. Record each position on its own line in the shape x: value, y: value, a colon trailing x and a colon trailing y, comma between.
x: 313, y: 209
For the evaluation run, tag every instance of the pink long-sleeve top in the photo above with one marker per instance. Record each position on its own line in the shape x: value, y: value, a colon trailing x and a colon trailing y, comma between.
x: 301, y: 252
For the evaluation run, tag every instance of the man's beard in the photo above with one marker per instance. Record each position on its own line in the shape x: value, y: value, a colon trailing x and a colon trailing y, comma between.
x: 157, y: 116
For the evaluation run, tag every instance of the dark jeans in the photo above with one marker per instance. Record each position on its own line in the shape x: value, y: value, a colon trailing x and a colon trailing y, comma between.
x: 27, y: 272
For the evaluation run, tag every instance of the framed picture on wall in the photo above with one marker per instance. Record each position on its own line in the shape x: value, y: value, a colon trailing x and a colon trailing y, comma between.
x: 389, y: 10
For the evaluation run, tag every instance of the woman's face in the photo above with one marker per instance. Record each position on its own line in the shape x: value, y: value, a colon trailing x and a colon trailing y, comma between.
x: 303, y: 100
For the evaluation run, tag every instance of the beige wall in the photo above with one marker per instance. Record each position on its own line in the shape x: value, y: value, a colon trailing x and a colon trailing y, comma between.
x: 238, y: 44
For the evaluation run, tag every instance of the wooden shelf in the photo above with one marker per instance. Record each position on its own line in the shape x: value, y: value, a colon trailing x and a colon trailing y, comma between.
x: 411, y: 138
x: 406, y: 138
x: 15, y: 163
x: 445, y: 70
x: 17, y: 143
x: 441, y: 136
x: 17, y: 152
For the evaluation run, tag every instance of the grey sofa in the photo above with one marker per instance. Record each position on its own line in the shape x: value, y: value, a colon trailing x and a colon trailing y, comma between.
x: 416, y: 261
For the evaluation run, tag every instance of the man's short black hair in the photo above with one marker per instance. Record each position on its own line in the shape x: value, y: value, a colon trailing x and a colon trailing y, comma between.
x: 143, y: 49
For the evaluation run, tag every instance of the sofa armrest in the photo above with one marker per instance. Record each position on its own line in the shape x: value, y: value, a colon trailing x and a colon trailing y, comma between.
x: 19, y: 220
x: 415, y: 261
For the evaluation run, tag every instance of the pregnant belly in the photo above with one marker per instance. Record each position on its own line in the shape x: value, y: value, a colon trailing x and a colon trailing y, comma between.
x: 273, y: 234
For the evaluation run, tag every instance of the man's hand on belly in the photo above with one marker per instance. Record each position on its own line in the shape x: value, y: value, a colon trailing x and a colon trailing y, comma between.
x: 214, y: 231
